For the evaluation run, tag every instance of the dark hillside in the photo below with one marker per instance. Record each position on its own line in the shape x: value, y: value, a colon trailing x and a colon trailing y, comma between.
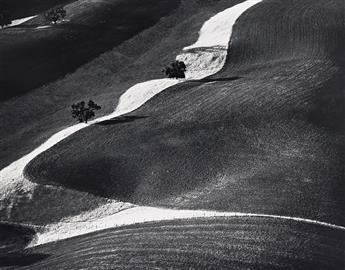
x: 22, y: 9
x: 269, y: 142
x: 207, y: 243
x: 31, y: 57
x: 14, y: 238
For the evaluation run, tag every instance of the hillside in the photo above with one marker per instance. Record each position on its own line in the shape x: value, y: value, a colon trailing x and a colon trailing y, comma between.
x: 268, y: 142
x: 31, y: 119
x: 34, y: 53
x: 205, y: 243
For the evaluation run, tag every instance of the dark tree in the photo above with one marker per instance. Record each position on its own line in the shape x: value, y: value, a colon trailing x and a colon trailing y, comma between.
x: 83, y: 113
x: 55, y: 14
x: 176, y: 69
x: 5, y: 17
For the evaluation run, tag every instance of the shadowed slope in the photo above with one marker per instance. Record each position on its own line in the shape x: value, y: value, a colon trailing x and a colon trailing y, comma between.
x: 32, y: 57
x: 205, y: 243
x: 13, y: 240
x: 270, y: 142
x: 20, y: 9
x: 14, y: 237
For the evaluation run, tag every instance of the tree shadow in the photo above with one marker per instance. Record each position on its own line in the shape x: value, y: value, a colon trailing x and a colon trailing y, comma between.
x: 217, y: 79
x: 21, y: 259
x: 121, y: 120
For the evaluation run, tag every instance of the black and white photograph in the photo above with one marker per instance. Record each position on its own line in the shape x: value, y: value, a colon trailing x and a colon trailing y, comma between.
x: 172, y: 134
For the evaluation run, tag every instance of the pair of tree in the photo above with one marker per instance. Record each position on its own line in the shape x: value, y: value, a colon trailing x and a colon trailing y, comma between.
x: 5, y: 16
x: 176, y: 69
x: 83, y: 113
x: 55, y: 14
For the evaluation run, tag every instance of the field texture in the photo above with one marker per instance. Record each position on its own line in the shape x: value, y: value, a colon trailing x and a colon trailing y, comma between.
x: 271, y: 141
x: 205, y: 243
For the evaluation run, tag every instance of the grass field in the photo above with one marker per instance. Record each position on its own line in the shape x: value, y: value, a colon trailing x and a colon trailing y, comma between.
x: 205, y: 243
x: 269, y: 142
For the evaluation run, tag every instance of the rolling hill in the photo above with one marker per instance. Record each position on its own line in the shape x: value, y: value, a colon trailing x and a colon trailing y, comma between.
x: 205, y: 243
x: 269, y: 142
